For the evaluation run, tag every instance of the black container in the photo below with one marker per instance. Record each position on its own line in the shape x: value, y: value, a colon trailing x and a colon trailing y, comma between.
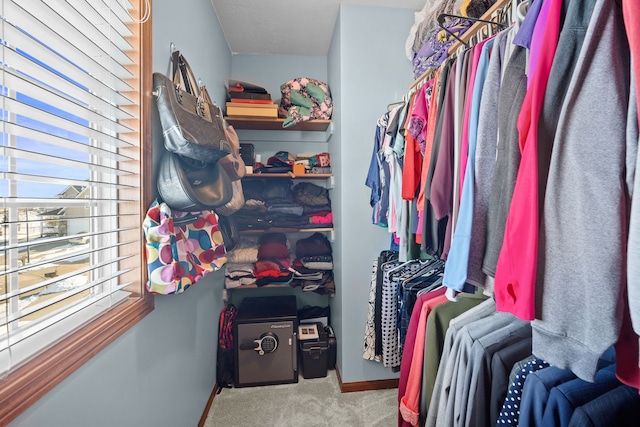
x: 333, y: 348
x: 247, y: 153
x: 315, y: 354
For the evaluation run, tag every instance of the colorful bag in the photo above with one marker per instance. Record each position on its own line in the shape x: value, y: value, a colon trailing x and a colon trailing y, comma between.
x: 181, y: 247
x: 304, y: 99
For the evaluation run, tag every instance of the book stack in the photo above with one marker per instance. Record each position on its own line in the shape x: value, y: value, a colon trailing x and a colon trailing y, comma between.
x: 235, y: 109
x: 248, y: 100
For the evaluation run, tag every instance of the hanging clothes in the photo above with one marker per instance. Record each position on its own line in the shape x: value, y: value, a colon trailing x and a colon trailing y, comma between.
x: 585, y: 215
x: 516, y: 269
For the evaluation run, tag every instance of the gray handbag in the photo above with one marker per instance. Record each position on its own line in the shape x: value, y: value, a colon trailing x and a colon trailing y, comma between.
x: 191, y: 126
x: 190, y: 185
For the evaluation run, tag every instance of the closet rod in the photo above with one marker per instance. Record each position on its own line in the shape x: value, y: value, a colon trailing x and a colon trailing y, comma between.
x: 499, y: 4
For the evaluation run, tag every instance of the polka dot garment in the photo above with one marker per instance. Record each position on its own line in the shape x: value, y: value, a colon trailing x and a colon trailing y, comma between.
x: 511, y: 408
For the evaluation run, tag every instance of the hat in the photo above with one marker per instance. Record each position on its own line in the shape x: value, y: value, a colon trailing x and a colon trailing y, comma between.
x: 281, y: 158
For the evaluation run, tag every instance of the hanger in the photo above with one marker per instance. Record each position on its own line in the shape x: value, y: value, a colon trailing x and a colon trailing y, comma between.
x: 435, y: 285
x: 442, y: 16
x: 433, y: 266
x: 391, y: 106
x: 403, y: 265
x: 391, y: 261
x: 522, y: 10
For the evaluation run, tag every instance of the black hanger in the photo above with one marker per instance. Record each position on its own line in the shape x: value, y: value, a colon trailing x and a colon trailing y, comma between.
x: 442, y: 16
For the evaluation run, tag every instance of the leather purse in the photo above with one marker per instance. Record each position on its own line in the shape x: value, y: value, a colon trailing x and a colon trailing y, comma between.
x: 191, y: 126
x: 236, y: 203
x: 190, y: 185
x: 232, y: 163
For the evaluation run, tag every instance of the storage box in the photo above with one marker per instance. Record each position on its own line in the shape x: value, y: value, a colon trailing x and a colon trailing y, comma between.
x: 314, y: 355
x: 320, y: 169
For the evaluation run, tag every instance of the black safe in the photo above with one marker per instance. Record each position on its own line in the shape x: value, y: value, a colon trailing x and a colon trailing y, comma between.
x: 265, y: 331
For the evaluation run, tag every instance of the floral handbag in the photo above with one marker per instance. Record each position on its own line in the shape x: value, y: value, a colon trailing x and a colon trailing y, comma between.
x: 181, y: 247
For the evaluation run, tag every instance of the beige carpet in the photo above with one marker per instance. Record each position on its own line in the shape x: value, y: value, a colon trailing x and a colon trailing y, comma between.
x: 309, y: 403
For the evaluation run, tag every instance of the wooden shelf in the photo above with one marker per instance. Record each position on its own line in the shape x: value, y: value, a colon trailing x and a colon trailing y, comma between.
x: 259, y: 123
x: 289, y: 175
x: 287, y: 230
x: 254, y: 286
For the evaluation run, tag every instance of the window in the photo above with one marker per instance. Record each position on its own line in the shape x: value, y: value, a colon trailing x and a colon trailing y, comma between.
x: 73, y: 151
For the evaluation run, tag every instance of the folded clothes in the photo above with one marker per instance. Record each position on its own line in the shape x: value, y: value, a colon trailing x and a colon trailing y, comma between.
x: 290, y: 209
x: 285, y: 220
x: 269, y: 250
x: 244, y: 252
x: 284, y: 278
x: 247, y: 220
x: 272, y: 269
x: 310, y: 194
x: 238, y: 274
x: 321, y: 219
x: 273, y: 246
x: 253, y: 188
x: 254, y: 205
x: 231, y: 283
x: 325, y: 286
x: 316, y: 210
x: 278, y: 189
x: 316, y: 244
x: 298, y: 275
x: 313, y: 264
x: 238, y: 269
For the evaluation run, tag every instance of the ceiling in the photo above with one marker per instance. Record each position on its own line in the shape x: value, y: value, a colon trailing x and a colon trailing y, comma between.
x: 288, y: 27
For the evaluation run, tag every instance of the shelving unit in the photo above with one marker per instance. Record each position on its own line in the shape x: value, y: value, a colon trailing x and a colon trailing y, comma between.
x: 289, y: 230
x: 289, y: 175
x: 268, y: 129
x: 269, y: 132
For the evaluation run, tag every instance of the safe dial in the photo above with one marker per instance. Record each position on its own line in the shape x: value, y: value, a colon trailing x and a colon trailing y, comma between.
x: 267, y: 343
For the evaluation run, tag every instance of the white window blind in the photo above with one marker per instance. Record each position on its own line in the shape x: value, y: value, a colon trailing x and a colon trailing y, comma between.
x: 70, y: 168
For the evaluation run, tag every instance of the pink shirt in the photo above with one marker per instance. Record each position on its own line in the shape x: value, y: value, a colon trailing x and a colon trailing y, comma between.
x: 409, y: 345
x: 516, y: 269
x: 409, y: 403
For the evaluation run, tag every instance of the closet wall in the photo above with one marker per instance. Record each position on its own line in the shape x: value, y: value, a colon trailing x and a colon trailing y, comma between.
x: 367, y: 68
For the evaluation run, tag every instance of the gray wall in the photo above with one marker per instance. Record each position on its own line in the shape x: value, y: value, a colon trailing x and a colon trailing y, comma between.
x: 161, y: 372
x: 367, y: 71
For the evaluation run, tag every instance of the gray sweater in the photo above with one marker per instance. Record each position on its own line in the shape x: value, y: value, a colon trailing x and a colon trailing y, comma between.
x: 583, y: 227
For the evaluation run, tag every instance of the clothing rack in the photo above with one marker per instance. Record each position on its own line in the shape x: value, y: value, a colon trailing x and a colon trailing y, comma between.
x: 495, y: 15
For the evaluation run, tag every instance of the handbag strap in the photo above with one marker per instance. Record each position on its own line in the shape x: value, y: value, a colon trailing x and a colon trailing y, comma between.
x: 185, y: 80
x: 183, y: 76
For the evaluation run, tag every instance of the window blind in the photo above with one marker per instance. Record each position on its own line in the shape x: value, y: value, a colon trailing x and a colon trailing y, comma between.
x: 70, y: 168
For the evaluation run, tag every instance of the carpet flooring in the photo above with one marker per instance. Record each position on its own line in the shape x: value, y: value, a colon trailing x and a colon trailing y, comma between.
x: 315, y: 402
